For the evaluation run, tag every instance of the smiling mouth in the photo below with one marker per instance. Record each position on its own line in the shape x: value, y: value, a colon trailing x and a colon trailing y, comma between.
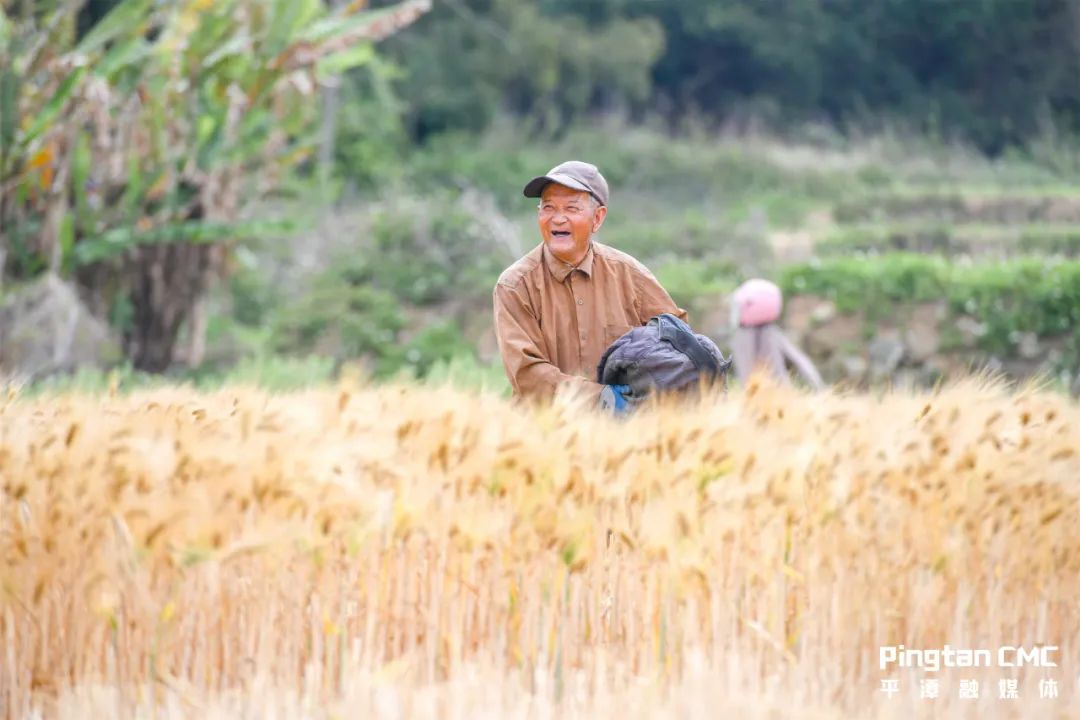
x: 560, y: 233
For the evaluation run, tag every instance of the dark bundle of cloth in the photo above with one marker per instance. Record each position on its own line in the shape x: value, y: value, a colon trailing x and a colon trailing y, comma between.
x: 664, y: 355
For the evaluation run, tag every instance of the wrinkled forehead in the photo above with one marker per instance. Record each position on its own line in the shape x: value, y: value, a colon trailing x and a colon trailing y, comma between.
x: 561, y: 193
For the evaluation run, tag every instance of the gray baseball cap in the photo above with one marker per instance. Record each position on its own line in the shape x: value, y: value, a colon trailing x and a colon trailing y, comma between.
x: 574, y: 174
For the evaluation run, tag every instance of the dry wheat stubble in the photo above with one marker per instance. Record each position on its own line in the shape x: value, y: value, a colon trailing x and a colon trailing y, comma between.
x: 409, y: 554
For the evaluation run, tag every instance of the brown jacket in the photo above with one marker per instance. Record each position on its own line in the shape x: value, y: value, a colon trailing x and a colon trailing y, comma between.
x: 554, y: 321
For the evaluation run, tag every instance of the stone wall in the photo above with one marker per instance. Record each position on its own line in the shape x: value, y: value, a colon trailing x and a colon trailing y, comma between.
x: 919, y: 344
x: 46, y: 329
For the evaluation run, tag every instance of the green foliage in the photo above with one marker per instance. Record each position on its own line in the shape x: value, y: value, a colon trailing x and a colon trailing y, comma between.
x: 695, y: 285
x: 273, y: 373
x: 969, y: 204
x: 342, y: 319
x: 276, y: 373
x: 117, y: 241
x: 871, y: 283
x: 466, y: 372
x: 436, y: 344
x: 371, y: 139
x: 123, y: 378
x: 995, y: 73
x: 471, y: 58
x: 341, y: 316
x: 135, y: 132
x: 427, y: 253
x: 1050, y: 241
x: 952, y: 239
x: 245, y: 66
x: 1030, y: 294
x: 688, y: 196
x: 371, y: 302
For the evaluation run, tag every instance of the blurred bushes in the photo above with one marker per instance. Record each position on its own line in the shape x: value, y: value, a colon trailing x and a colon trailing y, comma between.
x: 475, y: 58
x: 1031, y: 294
x: 435, y: 344
x: 393, y: 294
x: 370, y: 139
x: 134, y: 134
x: 341, y: 315
x: 721, y: 178
x: 400, y: 283
x: 464, y: 371
x: 426, y: 253
x: 995, y: 73
x: 270, y: 372
x: 950, y: 239
x: 697, y: 286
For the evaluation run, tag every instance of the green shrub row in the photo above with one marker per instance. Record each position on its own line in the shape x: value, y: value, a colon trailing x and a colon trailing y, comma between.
x: 1016, y: 205
x: 377, y: 296
x: 271, y: 372
x: 653, y: 176
x: 951, y: 239
x: 1028, y: 294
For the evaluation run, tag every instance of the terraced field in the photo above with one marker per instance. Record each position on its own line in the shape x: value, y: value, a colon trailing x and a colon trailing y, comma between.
x: 995, y: 268
x: 976, y: 240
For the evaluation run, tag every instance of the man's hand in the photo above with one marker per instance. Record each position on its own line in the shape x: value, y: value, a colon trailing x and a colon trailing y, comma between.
x: 612, y: 400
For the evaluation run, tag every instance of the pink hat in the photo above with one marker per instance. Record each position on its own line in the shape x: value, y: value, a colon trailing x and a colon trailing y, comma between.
x: 758, y: 302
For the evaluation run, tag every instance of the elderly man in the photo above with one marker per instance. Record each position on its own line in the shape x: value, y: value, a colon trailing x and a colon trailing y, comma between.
x: 558, y: 308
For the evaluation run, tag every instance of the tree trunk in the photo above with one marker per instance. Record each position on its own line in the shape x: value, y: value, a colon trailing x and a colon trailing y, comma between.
x: 195, y: 343
x: 331, y: 98
x: 331, y: 95
x: 167, y: 282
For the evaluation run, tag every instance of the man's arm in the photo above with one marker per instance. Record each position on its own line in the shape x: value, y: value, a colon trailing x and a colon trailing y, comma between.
x: 653, y: 299
x: 527, y: 367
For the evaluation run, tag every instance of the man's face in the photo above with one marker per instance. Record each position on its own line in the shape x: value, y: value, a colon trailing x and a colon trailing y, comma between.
x: 567, y: 219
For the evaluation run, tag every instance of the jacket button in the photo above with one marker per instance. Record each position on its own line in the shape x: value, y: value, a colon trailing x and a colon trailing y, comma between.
x: 580, y: 301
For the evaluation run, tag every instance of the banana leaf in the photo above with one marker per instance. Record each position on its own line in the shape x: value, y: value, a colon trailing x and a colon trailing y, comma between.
x: 18, y: 236
x: 338, y: 63
x: 48, y: 114
x: 123, y: 19
x: 80, y: 179
x: 42, y: 42
x: 169, y: 117
x: 343, y: 24
x: 133, y: 189
x: 286, y: 18
x: 67, y: 243
x: 238, y: 46
x: 159, y: 113
x: 122, y: 56
x: 9, y: 100
x: 211, y: 136
x: 117, y: 241
x: 5, y: 31
x: 216, y: 30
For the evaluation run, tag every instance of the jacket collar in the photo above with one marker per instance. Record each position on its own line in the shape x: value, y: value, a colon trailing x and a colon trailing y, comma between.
x: 561, y: 270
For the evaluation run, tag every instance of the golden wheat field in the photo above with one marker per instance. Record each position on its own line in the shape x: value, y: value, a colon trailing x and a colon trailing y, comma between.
x: 397, y: 552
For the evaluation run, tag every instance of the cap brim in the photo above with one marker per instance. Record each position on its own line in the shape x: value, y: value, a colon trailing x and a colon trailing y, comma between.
x: 536, y: 186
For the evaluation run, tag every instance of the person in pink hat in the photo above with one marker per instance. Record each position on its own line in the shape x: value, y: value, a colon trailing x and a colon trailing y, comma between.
x: 759, y: 342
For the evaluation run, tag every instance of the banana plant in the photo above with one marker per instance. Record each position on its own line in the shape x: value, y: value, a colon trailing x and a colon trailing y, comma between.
x: 129, y: 154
